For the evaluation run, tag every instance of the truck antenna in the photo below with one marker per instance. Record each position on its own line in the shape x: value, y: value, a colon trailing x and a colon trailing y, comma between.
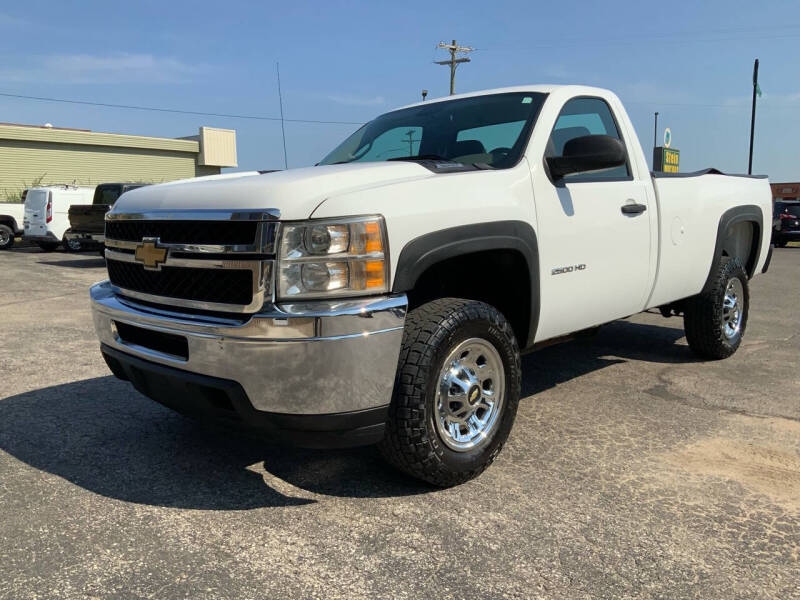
x: 280, y: 102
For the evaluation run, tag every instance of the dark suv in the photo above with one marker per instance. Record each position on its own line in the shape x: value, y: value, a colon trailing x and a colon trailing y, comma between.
x: 786, y: 223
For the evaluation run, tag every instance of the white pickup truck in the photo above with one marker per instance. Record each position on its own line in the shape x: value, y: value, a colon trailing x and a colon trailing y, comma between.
x: 11, y: 220
x: 385, y: 295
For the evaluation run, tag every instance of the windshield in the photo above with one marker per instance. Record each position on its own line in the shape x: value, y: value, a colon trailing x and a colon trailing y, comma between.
x: 484, y: 130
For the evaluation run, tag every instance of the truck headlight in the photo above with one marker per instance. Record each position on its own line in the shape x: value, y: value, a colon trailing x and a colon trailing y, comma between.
x: 325, y: 258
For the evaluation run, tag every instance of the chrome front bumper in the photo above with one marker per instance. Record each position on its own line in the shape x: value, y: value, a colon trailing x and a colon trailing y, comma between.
x: 307, y: 358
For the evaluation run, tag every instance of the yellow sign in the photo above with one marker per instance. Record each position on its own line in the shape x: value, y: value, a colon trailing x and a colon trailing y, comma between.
x: 150, y: 254
x: 671, y: 160
x: 666, y: 160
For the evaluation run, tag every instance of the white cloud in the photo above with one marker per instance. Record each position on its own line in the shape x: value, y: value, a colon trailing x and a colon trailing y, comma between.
x: 116, y: 68
x: 352, y: 100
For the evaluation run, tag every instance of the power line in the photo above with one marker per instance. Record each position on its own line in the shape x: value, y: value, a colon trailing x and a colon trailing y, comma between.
x: 453, y: 62
x: 175, y: 110
x: 689, y: 36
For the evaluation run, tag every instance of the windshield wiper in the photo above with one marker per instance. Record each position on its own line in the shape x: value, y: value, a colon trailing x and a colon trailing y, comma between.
x: 422, y: 157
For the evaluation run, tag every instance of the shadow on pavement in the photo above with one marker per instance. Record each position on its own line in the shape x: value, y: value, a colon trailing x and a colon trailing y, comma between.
x: 79, y: 263
x: 614, y: 343
x: 101, y: 435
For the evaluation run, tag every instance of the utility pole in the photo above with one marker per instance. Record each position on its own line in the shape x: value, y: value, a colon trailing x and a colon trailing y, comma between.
x: 453, y: 48
x: 756, y: 90
x: 655, y: 140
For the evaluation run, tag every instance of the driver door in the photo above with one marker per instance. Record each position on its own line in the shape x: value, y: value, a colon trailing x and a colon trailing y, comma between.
x: 594, y: 258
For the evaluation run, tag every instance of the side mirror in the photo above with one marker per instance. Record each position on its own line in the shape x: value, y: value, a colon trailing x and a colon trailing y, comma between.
x: 587, y: 153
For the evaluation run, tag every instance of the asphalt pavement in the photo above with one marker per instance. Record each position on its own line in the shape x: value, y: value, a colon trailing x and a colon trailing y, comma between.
x: 633, y: 471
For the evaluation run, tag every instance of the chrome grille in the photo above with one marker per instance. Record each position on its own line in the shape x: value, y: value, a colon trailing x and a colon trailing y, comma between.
x: 208, y: 260
x: 185, y: 232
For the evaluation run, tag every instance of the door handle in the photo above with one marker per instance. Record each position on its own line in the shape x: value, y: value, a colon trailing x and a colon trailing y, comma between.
x: 633, y: 209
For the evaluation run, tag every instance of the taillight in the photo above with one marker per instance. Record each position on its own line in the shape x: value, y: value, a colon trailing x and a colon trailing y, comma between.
x: 787, y: 216
x: 49, y: 213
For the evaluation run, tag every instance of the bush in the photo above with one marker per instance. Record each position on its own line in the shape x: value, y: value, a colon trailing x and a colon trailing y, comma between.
x: 14, y: 195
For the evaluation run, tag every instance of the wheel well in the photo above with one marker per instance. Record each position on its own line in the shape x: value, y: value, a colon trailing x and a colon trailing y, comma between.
x: 498, y: 277
x: 9, y: 222
x: 743, y: 240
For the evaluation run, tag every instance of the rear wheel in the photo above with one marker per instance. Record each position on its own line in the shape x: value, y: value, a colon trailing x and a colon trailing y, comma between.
x: 72, y: 245
x: 6, y: 237
x: 715, y: 320
x: 456, y: 392
x: 47, y: 246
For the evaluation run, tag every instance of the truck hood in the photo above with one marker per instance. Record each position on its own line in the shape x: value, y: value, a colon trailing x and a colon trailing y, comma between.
x: 295, y: 193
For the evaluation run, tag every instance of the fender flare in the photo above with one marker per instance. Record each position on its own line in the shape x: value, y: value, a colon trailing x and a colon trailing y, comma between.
x: 738, y: 214
x: 423, y: 252
x: 8, y: 219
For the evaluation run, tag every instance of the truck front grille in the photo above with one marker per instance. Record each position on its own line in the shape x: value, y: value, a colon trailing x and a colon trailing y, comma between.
x: 221, y: 286
x: 185, y: 232
x: 214, y: 262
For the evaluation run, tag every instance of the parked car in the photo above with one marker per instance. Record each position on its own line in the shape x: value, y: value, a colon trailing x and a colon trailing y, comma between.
x: 87, y: 221
x: 11, y: 219
x: 386, y: 295
x: 787, y: 223
x: 46, y: 213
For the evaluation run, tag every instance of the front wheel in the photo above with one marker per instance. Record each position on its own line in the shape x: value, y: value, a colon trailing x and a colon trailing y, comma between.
x: 6, y: 237
x: 456, y: 392
x: 715, y: 320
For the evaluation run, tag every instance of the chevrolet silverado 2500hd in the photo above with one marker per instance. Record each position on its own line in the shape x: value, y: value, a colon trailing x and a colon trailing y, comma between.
x: 385, y: 295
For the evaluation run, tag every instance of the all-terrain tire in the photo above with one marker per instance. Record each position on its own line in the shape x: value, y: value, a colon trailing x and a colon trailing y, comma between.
x: 432, y: 331
x: 6, y: 237
x: 704, y: 318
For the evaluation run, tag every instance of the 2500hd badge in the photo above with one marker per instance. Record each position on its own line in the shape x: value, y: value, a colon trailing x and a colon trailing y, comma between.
x: 560, y: 270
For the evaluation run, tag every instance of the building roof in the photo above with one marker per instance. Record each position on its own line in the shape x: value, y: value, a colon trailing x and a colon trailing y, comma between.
x: 59, y: 135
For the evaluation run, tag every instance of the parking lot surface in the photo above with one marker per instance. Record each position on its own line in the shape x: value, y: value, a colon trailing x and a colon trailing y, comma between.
x: 633, y: 470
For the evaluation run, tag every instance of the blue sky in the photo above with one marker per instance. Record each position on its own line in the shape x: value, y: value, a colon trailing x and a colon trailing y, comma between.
x: 350, y: 61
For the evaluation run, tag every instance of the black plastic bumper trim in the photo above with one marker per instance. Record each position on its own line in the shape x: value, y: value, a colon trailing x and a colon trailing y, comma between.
x: 217, y: 401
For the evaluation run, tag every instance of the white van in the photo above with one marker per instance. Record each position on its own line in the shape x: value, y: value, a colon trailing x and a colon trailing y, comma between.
x: 47, y: 212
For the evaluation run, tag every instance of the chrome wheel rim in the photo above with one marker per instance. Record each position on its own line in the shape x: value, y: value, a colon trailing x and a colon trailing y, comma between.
x: 732, y: 306
x: 4, y: 237
x: 74, y: 244
x: 469, y: 396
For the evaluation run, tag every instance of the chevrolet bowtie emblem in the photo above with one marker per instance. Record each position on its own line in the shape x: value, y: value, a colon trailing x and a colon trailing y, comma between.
x: 150, y: 255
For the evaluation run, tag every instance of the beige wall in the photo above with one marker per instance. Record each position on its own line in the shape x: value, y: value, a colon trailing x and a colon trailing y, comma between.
x: 21, y: 162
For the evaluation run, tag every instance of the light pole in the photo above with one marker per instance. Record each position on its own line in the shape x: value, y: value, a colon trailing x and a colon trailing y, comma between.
x: 756, y: 90
x: 655, y: 140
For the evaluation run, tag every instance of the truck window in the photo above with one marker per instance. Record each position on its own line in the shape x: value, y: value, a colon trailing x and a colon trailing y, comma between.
x: 398, y: 141
x: 580, y: 117
x: 492, y: 130
x: 106, y: 194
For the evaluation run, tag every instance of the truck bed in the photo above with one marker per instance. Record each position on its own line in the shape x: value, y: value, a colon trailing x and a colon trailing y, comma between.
x: 689, y: 209
x: 88, y: 218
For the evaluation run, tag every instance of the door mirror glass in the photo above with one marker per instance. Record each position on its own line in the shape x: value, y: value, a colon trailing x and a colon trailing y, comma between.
x: 587, y: 153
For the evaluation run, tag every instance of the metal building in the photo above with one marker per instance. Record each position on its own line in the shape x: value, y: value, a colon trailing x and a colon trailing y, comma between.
x: 50, y: 155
